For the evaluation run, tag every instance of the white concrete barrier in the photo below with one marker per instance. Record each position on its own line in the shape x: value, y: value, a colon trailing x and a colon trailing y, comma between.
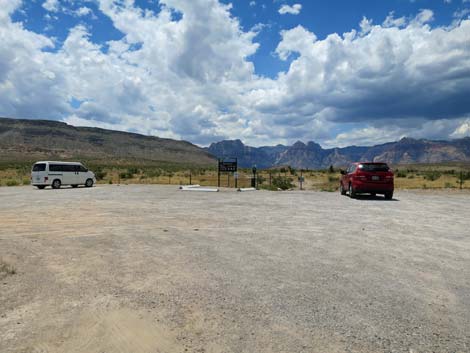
x: 246, y: 189
x: 190, y: 186
x: 199, y: 189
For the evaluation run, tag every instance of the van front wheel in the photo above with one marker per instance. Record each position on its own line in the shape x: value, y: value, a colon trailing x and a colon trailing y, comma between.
x: 56, y: 184
x: 89, y: 183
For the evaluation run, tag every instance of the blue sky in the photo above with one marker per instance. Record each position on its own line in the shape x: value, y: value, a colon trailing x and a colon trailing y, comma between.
x: 338, y: 72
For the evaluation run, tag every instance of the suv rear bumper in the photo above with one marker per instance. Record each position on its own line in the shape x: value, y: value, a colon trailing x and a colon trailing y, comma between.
x: 377, y: 188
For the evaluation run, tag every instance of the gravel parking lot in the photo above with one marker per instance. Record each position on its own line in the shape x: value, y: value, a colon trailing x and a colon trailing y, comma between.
x: 153, y: 269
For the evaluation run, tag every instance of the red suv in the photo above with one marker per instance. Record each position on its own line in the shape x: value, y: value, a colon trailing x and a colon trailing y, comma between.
x: 367, y: 178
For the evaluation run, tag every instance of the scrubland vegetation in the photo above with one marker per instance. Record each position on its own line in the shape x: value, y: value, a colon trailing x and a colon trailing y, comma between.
x: 438, y: 176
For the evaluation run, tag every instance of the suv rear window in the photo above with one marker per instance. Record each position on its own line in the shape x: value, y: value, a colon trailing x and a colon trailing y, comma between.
x: 377, y: 167
x: 39, y: 167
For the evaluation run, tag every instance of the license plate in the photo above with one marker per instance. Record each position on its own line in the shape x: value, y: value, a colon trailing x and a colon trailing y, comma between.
x: 375, y: 177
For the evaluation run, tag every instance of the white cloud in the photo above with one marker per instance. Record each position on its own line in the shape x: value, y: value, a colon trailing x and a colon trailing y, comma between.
x: 83, y: 11
x: 292, y: 10
x: 192, y: 78
x: 51, y: 5
x: 463, y: 130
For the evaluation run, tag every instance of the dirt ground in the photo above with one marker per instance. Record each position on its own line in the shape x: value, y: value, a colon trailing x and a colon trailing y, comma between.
x: 146, y: 268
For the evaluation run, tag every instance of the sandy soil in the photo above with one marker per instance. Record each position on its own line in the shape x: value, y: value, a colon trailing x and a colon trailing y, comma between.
x: 154, y: 269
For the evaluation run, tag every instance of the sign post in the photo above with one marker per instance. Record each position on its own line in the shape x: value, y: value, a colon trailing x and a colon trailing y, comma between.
x: 235, y: 175
x: 253, y: 179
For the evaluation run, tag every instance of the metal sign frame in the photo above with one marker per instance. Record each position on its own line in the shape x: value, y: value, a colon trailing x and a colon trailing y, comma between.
x: 227, y: 165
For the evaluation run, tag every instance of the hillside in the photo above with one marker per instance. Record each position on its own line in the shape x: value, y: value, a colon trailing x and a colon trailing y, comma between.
x: 313, y: 156
x: 28, y: 140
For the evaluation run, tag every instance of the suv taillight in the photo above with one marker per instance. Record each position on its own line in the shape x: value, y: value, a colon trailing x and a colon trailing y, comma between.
x: 46, y: 178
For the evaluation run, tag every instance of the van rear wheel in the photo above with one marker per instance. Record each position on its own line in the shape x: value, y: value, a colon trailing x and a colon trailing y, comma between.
x: 56, y: 184
x: 89, y: 183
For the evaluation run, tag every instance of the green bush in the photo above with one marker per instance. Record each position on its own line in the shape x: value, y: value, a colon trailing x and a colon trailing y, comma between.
x: 26, y: 181
x: 282, y: 183
x: 432, y: 176
x: 12, y: 183
x: 100, y: 174
x: 401, y: 174
x: 125, y: 175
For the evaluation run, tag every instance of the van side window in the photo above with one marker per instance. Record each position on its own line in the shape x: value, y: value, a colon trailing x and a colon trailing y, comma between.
x: 83, y: 169
x: 62, y: 168
x: 54, y: 168
x: 39, y: 167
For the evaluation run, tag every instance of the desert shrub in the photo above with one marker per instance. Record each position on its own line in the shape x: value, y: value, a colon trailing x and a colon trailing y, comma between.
x: 292, y: 171
x: 125, y: 175
x: 328, y: 189
x: 411, y: 176
x: 464, y: 176
x: 331, y: 170
x: 12, y: 183
x: 129, y: 174
x: 432, y: 176
x: 6, y: 269
x: 449, y: 186
x: 110, y: 181
x: 132, y: 170
x: 260, y: 179
x: 401, y: 174
x: 99, y: 173
x: 153, y: 173
x: 332, y: 178
x: 26, y: 181
x: 282, y: 183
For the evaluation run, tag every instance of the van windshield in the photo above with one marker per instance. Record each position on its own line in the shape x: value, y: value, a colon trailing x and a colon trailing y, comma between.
x: 39, y: 167
x: 376, y: 167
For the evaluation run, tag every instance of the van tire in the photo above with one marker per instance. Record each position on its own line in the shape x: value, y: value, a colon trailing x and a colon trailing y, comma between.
x: 89, y: 183
x: 40, y: 187
x: 56, y: 184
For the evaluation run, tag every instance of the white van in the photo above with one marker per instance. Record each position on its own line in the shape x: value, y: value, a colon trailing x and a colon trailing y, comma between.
x: 56, y: 174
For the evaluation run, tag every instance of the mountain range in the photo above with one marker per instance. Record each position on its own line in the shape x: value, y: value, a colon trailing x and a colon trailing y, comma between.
x: 312, y: 156
x: 31, y: 140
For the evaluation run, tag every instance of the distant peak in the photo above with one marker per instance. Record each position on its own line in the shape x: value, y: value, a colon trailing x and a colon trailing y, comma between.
x: 299, y: 144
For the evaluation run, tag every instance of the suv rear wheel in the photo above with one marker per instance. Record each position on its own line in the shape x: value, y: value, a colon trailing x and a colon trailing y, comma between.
x: 56, y: 184
x: 341, y: 189
x: 388, y: 195
x: 352, y: 193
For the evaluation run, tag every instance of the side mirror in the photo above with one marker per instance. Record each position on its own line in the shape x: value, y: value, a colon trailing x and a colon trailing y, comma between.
x: 343, y: 172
